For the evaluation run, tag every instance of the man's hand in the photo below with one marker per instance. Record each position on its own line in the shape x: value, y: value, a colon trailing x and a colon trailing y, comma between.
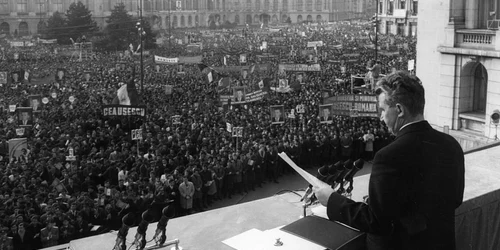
x: 323, y: 194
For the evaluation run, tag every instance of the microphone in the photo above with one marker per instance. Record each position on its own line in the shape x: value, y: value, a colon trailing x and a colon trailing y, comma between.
x: 358, y: 165
x: 322, y: 174
x: 147, y: 218
x: 334, y: 171
x: 127, y: 222
x: 168, y: 213
x: 340, y: 179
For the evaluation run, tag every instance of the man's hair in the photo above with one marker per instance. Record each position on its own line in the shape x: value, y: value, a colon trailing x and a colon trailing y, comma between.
x: 400, y: 87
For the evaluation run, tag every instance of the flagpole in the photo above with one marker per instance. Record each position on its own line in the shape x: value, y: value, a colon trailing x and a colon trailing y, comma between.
x: 142, y: 61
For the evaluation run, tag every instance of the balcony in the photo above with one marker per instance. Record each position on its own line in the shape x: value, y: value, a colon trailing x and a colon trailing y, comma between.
x: 476, y: 39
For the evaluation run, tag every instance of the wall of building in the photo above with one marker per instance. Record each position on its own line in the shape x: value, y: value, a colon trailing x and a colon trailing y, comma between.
x: 432, y: 21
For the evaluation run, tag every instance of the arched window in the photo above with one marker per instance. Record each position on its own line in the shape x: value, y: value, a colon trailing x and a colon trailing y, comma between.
x: 190, y: 21
x: 249, y: 19
x: 4, y: 28
x: 256, y: 18
x: 299, y: 18
x: 23, y: 29
x: 183, y: 21
x: 237, y: 19
x: 480, y: 89
x: 174, y: 22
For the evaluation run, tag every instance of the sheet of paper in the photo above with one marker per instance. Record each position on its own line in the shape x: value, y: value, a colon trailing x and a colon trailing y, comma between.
x: 290, y: 241
x: 307, y: 176
x: 249, y: 240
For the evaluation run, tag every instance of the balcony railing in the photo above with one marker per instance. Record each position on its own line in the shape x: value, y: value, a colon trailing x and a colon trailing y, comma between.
x: 476, y: 39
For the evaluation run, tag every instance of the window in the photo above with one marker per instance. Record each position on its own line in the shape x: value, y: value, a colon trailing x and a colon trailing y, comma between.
x: 40, y: 5
x: 22, y: 6
x: 4, y: 6
x: 266, y: 5
x: 189, y: 5
x: 318, y: 4
x: 249, y: 4
x: 257, y: 4
x: 309, y: 5
x: 415, y: 7
x: 403, y: 4
x: 300, y: 4
x: 285, y: 5
x: 390, y: 8
x: 380, y: 7
x: 237, y: 19
x: 195, y: 5
x: 275, y: 4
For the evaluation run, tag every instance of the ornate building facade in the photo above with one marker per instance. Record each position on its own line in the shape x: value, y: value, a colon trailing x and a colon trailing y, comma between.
x: 458, y: 63
x: 398, y: 17
x: 26, y: 17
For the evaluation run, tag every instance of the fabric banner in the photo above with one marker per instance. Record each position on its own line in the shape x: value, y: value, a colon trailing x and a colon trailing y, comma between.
x: 354, y: 105
x: 248, y: 98
x: 175, y: 60
x: 165, y: 60
x: 124, y: 110
x: 47, y: 41
x: 228, y: 69
x: 315, y: 44
x: 16, y: 44
x: 298, y: 67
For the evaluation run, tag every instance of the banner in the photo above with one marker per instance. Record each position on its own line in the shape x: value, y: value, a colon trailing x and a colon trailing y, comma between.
x: 165, y: 60
x: 47, y: 41
x: 248, y: 98
x: 411, y: 64
x: 354, y: 105
x: 325, y: 113
x: 315, y: 44
x: 168, y: 89
x: 229, y: 69
x: 277, y: 114
x: 237, y: 132
x: 16, y: 146
x: 175, y: 60
x: 298, y: 67
x: 124, y: 110
x: 16, y: 44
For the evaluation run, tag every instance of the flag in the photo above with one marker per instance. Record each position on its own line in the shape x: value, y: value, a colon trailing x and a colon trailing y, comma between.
x: 225, y: 60
x: 224, y: 83
x: 131, y: 48
x: 229, y: 127
x: 210, y: 77
x: 122, y: 94
x: 252, y: 68
x: 27, y: 76
x: 138, y: 48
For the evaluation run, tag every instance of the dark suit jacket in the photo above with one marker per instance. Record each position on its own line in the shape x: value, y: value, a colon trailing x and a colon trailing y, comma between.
x: 415, y: 186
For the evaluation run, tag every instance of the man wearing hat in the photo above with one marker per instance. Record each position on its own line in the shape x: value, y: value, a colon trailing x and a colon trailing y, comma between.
x: 49, y: 234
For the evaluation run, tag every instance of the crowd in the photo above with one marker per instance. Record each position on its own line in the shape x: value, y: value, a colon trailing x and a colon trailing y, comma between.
x: 47, y: 200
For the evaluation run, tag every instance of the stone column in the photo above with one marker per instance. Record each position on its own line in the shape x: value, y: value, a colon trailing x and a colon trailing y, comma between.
x: 471, y: 14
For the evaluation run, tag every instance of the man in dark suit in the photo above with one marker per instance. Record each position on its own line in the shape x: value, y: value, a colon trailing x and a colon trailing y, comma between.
x: 416, y: 183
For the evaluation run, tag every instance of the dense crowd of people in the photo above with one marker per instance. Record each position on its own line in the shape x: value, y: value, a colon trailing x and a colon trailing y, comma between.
x: 188, y: 163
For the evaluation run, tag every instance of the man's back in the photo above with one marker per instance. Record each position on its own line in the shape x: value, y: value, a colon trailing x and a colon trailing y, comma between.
x: 417, y: 182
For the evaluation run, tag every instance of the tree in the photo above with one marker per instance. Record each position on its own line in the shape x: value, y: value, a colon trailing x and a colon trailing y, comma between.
x: 56, y: 28
x: 79, y: 21
x: 122, y: 30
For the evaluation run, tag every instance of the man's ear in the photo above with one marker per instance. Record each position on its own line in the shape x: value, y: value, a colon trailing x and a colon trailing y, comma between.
x: 400, y: 109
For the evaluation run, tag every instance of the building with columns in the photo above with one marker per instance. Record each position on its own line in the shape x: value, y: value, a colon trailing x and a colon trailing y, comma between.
x: 26, y: 17
x: 459, y: 63
x: 398, y: 17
